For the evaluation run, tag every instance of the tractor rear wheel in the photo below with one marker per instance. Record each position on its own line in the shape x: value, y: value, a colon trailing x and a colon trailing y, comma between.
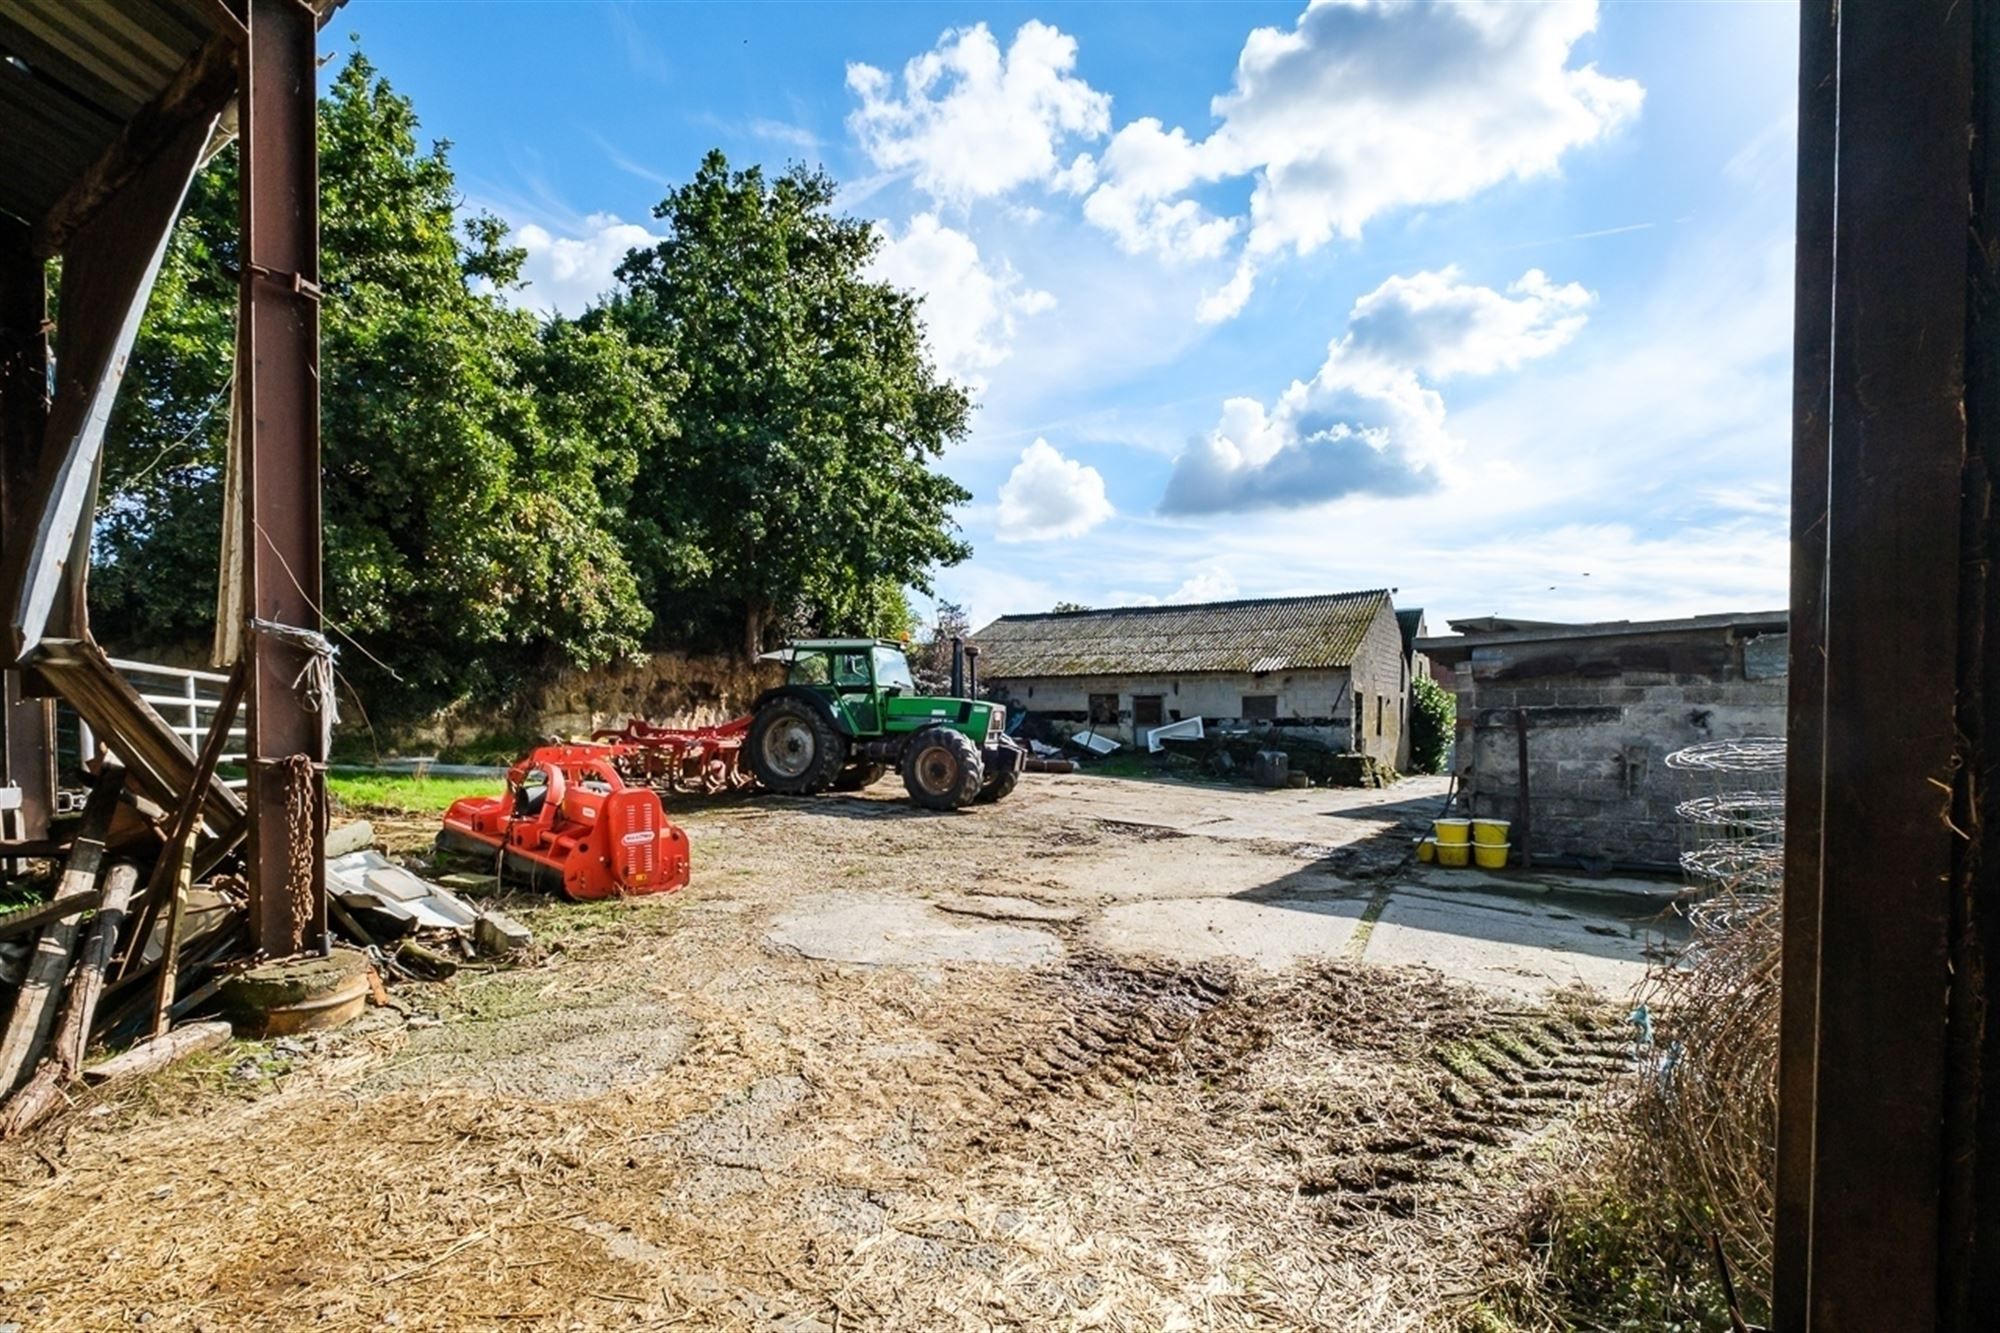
x: 793, y: 749
x: 999, y: 787
x: 942, y: 769
x: 856, y: 776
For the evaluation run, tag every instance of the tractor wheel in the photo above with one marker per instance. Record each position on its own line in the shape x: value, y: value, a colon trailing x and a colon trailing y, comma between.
x: 793, y: 749
x: 856, y: 776
x: 998, y: 787
x: 942, y: 769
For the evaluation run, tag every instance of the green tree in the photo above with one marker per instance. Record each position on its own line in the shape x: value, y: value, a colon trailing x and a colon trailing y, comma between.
x: 800, y: 495
x: 476, y: 462
x: 1433, y: 716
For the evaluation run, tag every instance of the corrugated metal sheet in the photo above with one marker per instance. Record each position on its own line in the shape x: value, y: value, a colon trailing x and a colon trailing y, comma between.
x: 72, y: 75
x: 1269, y: 634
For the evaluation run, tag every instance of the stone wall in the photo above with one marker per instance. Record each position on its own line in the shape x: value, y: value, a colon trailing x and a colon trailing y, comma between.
x: 1602, y: 716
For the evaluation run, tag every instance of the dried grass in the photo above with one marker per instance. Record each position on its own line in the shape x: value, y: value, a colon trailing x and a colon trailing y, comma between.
x: 860, y: 1148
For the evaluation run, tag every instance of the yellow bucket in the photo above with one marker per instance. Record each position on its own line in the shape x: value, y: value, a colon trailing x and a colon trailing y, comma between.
x: 1490, y: 855
x: 1492, y: 832
x: 1454, y: 854
x: 1452, y: 831
x: 1427, y: 849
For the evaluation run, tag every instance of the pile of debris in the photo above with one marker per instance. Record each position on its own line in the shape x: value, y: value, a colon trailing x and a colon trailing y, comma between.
x: 136, y: 918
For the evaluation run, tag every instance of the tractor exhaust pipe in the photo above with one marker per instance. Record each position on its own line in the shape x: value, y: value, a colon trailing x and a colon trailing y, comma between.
x: 957, y: 667
x: 971, y: 672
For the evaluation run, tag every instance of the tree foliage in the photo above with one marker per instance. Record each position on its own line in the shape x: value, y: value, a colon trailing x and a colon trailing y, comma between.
x: 1433, y: 717
x: 738, y: 442
x: 930, y: 655
x: 801, y: 495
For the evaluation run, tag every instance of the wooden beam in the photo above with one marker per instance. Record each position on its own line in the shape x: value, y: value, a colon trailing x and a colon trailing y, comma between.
x: 195, y: 95
x: 34, y: 1003
x: 43, y: 1094
x: 171, y: 873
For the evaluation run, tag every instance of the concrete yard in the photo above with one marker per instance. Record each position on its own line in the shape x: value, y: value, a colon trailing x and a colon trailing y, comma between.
x: 1109, y: 1054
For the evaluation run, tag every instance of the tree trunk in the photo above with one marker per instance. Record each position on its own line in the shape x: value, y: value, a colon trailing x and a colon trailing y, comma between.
x: 754, y: 617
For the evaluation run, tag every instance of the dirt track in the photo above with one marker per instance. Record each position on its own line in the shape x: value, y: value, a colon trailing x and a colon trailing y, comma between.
x: 875, y: 1070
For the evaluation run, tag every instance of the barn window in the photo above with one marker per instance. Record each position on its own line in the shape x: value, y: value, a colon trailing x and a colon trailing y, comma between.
x: 1379, y: 701
x: 1260, y: 708
x: 1103, y: 710
x: 1146, y: 710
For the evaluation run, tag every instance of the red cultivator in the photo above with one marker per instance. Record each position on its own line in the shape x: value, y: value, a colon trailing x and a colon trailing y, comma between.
x: 702, y: 760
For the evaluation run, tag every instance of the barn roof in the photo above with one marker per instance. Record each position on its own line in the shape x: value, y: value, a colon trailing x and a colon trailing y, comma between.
x: 1265, y: 634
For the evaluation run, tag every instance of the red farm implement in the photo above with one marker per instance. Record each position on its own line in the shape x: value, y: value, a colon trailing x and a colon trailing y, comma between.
x: 571, y: 821
x: 701, y: 760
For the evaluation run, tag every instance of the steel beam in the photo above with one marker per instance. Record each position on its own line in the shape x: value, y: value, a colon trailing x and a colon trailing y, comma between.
x: 1889, y: 628
x: 27, y: 726
x: 278, y: 375
x: 1812, y: 289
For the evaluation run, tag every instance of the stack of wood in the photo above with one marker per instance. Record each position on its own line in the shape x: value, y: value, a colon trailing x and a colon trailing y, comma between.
x: 110, y: 958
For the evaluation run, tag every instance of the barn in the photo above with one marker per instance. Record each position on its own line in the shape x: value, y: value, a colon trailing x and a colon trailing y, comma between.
x: 1329, y: 668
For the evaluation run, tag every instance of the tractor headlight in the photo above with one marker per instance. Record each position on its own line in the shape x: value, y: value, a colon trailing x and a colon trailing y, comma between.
x: 999, y: 726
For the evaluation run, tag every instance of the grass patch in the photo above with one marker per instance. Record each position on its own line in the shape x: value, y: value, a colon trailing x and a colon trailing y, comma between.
x: 403, y: 793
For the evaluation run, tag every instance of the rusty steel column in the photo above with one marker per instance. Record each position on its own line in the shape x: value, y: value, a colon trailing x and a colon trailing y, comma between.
x: 1890, y: 633
x: 27, y: 726
x: 278, y: 378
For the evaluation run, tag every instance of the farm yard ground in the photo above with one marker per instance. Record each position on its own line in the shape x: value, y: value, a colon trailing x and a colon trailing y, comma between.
x: 1109, y: 1054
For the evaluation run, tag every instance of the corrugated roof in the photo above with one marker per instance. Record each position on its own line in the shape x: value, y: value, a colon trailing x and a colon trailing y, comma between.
x: 72, y: 74
x: 1267, y: 634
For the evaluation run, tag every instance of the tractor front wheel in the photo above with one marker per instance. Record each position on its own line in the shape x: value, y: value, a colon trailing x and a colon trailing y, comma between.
x: 942, y: 769
x: 999, y: 786
x: 793, y: 749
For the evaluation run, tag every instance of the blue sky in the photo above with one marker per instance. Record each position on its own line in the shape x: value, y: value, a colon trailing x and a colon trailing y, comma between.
x: 1486, y: 303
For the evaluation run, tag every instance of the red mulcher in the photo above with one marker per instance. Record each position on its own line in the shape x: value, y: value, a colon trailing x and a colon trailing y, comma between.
x: 570, y: 821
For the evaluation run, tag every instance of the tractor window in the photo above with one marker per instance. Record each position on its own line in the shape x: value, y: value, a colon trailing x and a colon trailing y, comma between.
x: 893, y: 669
x: 850, y: 670
x: 808, y: 669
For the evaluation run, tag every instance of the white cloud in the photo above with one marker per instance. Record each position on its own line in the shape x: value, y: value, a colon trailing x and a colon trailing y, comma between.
x: 1368, y: 422
x: 972, y: 121
x: 1209, y: 583
x: 566, y: 273
x: 1364, y: 106
x: 1049, y: 496
x: 970, y: 308
x: 1359, y: 108
x: 1143, y: 169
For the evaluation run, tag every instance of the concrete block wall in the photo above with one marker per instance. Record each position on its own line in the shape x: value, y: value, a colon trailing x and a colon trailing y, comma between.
x: 1598, y: 782
x: 1381, y: 671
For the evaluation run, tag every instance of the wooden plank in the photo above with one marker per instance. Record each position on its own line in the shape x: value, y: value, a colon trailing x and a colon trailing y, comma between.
x: 172, y: 872
x: 161, y: 764
x: 42, y: 1094
x: 34, y: 918
x: 34, y: 1010
x: 152, y: 1056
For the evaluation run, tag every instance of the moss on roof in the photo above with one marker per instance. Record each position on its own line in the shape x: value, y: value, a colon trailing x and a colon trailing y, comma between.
x: 1264, y: 634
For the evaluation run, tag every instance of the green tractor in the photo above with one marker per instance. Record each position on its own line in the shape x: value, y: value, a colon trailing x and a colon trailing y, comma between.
x: 850, y: 711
